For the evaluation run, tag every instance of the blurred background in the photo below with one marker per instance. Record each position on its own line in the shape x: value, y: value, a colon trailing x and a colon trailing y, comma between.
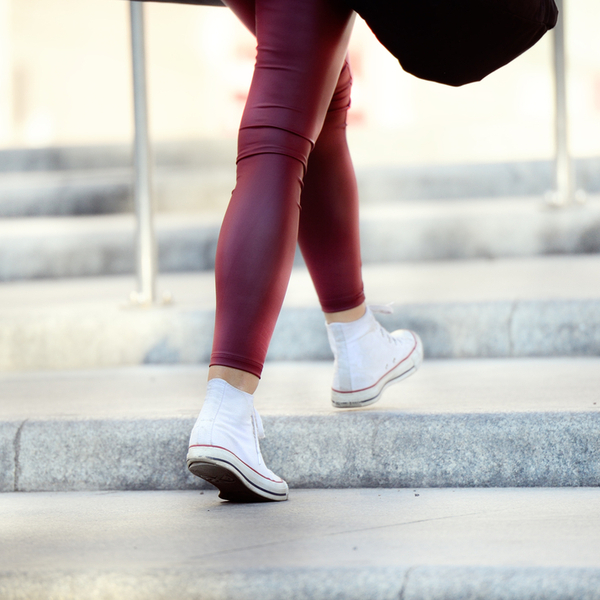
x: 454, y: 187
x: 65, y: 79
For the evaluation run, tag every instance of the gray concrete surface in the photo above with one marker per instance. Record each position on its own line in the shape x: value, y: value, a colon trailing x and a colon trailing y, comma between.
x: 528, y: 422
x: 35, y: 194
x: 108, y: 191
x: 542, y: 306
x: 205, y: 172
x: 322, y: 544
x: 51, y: 247
x: 424, y: 230
x: 207, y: 153
x: 412, y: 182
x: 477, y: 228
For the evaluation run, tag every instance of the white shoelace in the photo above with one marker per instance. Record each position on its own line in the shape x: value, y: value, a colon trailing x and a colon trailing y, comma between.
x: 382, y: 309
x: 258, y: 426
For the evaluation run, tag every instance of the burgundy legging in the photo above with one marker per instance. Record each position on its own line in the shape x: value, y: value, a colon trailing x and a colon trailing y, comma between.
x: 295, y: 180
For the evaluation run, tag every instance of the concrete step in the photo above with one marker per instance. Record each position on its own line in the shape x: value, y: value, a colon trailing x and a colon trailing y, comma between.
x: 107, y: 191
x: 456, y: 423
x: 205, y: 152
x: 195, y: 176
x: 83, y: 180
x: 481, y: 180
x: 414, y: 544
x: 543, y: 306
x: 426, y: 230
x: 34, y: 194
x: 57, y: 247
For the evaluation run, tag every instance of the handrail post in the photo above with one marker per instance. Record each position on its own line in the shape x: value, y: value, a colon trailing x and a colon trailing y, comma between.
x: 146, y: 251
x: 564, y: 180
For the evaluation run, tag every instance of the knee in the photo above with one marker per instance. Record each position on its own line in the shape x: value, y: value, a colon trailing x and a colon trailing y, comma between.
x: 255, y: 140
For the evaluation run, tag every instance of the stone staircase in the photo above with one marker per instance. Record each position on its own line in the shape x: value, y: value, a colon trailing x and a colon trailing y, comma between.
x: 476, y: 478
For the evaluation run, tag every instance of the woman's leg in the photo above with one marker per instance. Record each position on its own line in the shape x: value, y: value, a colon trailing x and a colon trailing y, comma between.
x: 367, y: 358
x: 301, y: 50
x: 329, y: 225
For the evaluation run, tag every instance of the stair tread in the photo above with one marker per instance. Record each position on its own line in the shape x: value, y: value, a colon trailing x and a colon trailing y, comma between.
x: 478, y: 423
x: 322, y: 544
x: 477, y: 280
x: 47, y: 247
x: 437, y: 211
x: 468, y: 386
x: 542, y: 306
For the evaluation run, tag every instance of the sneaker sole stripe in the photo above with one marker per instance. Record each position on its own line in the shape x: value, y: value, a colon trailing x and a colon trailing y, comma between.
x: 378, y: 381
x: 361, y: 402
x: 237, y: 458
x: 200, y: 460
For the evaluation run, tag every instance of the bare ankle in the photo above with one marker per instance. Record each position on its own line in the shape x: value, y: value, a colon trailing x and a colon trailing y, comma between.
x: 346, y: 316
x: 242, y: 380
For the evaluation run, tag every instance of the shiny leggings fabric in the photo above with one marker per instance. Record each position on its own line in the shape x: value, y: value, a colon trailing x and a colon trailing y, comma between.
x: 295, y: 181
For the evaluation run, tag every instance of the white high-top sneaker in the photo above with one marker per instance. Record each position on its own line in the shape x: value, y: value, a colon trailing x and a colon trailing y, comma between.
x: 224, y: 448
x: 367, y: 359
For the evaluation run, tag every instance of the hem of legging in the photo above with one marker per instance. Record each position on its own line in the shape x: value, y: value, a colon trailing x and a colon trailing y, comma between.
x: 343, y: 304
x: 224, y: 359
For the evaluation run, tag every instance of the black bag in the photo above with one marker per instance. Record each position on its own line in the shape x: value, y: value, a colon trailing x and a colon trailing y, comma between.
x: 456, y: 41
x: 451, y: 41
x: 197, y: 2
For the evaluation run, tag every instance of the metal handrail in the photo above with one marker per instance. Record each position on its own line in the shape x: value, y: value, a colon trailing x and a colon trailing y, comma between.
x: 146, y: 249
x: 565, y: 191
x: 563, y: 167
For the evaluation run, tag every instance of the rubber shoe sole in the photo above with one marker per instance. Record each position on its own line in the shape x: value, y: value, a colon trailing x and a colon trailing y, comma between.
x: 236, y: 481
x: 370, y: 395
